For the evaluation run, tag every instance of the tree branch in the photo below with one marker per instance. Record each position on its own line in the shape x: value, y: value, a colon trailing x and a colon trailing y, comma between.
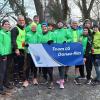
x: 91, y: 5
x: 4, y: 6
x: 78, y: 3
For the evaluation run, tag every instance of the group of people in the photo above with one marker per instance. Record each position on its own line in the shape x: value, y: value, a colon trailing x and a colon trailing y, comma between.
x: 14, y: 44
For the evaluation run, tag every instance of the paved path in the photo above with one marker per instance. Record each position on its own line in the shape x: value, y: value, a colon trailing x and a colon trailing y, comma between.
x: 41, y: 92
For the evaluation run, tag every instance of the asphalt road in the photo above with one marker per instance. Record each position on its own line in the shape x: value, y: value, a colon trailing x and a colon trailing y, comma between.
x: 70, y: 92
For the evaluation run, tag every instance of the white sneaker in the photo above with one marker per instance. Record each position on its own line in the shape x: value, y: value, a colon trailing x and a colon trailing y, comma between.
x: 58, y: 82
x: 88, y: 82
x: 25, y: 84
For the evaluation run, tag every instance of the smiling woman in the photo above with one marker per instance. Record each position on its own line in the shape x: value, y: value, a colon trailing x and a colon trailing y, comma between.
x: 5, y: 50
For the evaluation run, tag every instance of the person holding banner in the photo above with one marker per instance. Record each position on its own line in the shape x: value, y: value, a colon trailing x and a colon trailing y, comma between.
x: 61, y: 36
x: 47, y: 37
x: 32, y: 37
x: 18, y: 43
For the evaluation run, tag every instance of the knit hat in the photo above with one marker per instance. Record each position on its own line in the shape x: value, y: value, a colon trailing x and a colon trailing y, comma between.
x: 33, y: 24
x: 45, y: 23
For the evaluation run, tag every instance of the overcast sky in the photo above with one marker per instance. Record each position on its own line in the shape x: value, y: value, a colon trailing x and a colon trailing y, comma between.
x: 30, y: 8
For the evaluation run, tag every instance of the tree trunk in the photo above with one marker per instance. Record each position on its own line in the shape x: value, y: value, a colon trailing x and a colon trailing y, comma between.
x: 65, y: 8
x: 18, y: 7
x: 82, y: 4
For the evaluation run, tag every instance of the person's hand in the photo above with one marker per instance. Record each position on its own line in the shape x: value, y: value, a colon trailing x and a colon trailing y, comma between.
x: 84, y: 60
x: 64, y: 42
x: 23, y: 44
x: 17, y: 52
x: 4, y: 58
x: 50, y: 42
x: 92, y: 50
x: 27, y: 45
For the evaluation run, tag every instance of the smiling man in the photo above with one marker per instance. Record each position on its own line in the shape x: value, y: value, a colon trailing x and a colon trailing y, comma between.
x: 18, y: 41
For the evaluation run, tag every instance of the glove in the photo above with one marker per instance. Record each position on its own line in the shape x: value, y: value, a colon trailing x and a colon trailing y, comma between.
x: 92, y: 50
x: 64, y: 42
x: 50, y: 42
x: 27, y: 45
x: 23, y: 44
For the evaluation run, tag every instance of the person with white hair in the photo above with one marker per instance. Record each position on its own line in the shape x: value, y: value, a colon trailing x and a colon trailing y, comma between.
x: 18, y: 43
x: 75, y: 35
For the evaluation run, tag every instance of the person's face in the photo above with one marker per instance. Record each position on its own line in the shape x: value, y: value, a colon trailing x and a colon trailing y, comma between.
x: 6, y: 26
x: 21, y: 21
x: 85, y: 31
x: 45, y: 28
x: 88, y: 24
x: 50, y: 27
x: 60, y: 25
x: 33, y: 28
x: 74, y: 25
x: 95, y: 29
x: 36, y: 19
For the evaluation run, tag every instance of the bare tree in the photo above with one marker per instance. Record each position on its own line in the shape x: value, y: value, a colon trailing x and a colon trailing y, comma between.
x: 65, y: 9
x: 55, y: 10
x: 85, y: 8
x: 58, y: 10
x: 96, y: 10
x: 3, y: 6
x: 18, y: 7
x: 5, y: 13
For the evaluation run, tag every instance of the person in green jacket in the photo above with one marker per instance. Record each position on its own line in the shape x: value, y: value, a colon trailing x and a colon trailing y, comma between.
x: 36, y: 20
x: 5, y: 50
x: 32, y: 37
x: 96, y: 53
x: 47, y: 37
x: 83, y: 40
x: 61, y: 36
x: 75, y: 33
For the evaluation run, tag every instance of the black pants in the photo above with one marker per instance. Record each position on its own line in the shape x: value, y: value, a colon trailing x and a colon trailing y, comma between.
x: 18, y: 66
x: 3, y: 67
x: 88, y: 64
x: 81, y: 70
x: 30, y: 66
x: 61, y: 72
x: 48, y: 71
x: 9, y: 70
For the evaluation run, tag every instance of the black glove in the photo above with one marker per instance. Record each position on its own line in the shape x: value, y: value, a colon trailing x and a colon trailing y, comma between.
x: 27, y: 45
x: 64, y: 42
x: 50, y: 42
